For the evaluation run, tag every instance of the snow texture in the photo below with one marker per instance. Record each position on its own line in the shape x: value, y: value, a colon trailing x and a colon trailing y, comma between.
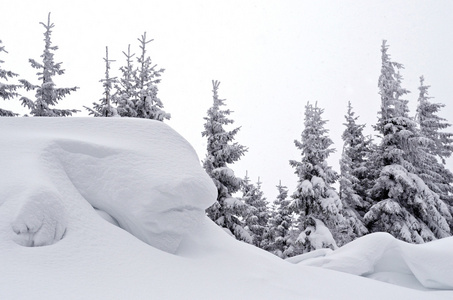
x: 382, y: 257
x: 143, y: 176
x: 318, y: 235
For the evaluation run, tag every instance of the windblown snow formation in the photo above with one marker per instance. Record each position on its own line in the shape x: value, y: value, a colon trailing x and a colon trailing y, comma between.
x: 380, y: 256
x: 142, y: 174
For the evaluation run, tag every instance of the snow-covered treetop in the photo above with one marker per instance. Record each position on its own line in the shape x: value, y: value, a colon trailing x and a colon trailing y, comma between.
x: 390, y: 89
x: 222, y: 149
x: 315, y: 145
x: 125, y: 87
x: 47, y: 95
x: 431, y: 125
x: 148, y: 105
x: 105, y: 108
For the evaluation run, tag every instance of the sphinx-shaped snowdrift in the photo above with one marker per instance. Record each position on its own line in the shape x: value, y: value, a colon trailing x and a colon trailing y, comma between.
x: 142, y: 174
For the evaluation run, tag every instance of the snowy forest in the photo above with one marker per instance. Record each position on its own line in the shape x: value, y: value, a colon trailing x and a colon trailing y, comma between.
x: 395, y: 181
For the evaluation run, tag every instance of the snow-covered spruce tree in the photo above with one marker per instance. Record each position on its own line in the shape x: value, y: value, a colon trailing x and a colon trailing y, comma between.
x: 125, y: 87
x: 433, y: 172
x: 257, y: 216
x: 7, y: 90
x: 319, y: 207
x: 47, y: 95
x: 227, y: 211
x: 404, y: 205
x: 432, y: 126
x: 279, y: 225
x: 147, y: 104
x: 105, y: 108
x: 354, y: 174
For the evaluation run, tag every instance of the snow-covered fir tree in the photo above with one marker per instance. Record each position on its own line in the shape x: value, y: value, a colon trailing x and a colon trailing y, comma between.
x: 404, y: 205
x: 8, y: 91
x: 104, y: 108
x: 432, y: 127
x: 147, y: 76
x: 222, y: 151
x: 257, y: 216
x: 278, y: 237
x: 354, y: 174
x: 125, y: 87
x: 47, y: 94
x: 315, y: 200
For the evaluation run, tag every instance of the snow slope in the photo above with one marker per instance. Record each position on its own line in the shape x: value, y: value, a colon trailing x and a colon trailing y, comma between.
x: 146, y: 178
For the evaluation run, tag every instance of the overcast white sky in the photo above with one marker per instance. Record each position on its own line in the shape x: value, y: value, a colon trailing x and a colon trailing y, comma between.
x: 270, y: 56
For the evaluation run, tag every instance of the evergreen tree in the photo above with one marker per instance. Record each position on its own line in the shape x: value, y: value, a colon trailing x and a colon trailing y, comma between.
x: 47, y: 95
x: 105, y: 108
x: 278, y: 235
x: 405, y: 206
x: 315, y: 200
x: 7, y: 90
x: 257, y: 216
x: 432, y: 126
x: 125, y: 87
x: 147, y: 104
x: 227, y: 211
x: 353, y: 177
x: 440, y: 145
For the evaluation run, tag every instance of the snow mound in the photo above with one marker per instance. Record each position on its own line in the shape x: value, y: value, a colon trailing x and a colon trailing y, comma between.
x: 317, y: 234
x: 139, y: 173
x: 380, y: 256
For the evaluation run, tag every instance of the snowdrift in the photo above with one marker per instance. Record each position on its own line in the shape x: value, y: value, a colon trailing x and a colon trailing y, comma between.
x: 382, y: 257
x: 110, y: 208
x: 142, y: 174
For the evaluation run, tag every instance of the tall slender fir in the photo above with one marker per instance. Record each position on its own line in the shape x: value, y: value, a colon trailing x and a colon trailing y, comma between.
x: 315, y: 200
x: 280, y: 223
x: 440, y: 145
x: 105, y: 108
x: 353, y: 176
x: 257, y: 216
x: 125, y: 87
x: 47, y: 95
x: 147, y: 104
x: 222, y: 151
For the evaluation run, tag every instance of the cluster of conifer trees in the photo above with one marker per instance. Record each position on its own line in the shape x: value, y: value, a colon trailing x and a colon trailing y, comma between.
x: 134, y: 94
x: 47, y: 94
x: 397, y: 183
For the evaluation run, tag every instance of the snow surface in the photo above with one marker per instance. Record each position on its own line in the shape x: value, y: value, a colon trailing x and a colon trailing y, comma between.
x: 144, y: 177
x: 382, y: 257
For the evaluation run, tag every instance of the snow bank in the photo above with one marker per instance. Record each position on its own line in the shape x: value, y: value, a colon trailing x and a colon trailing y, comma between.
x: 142, y: 174
x: 380, y: 256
